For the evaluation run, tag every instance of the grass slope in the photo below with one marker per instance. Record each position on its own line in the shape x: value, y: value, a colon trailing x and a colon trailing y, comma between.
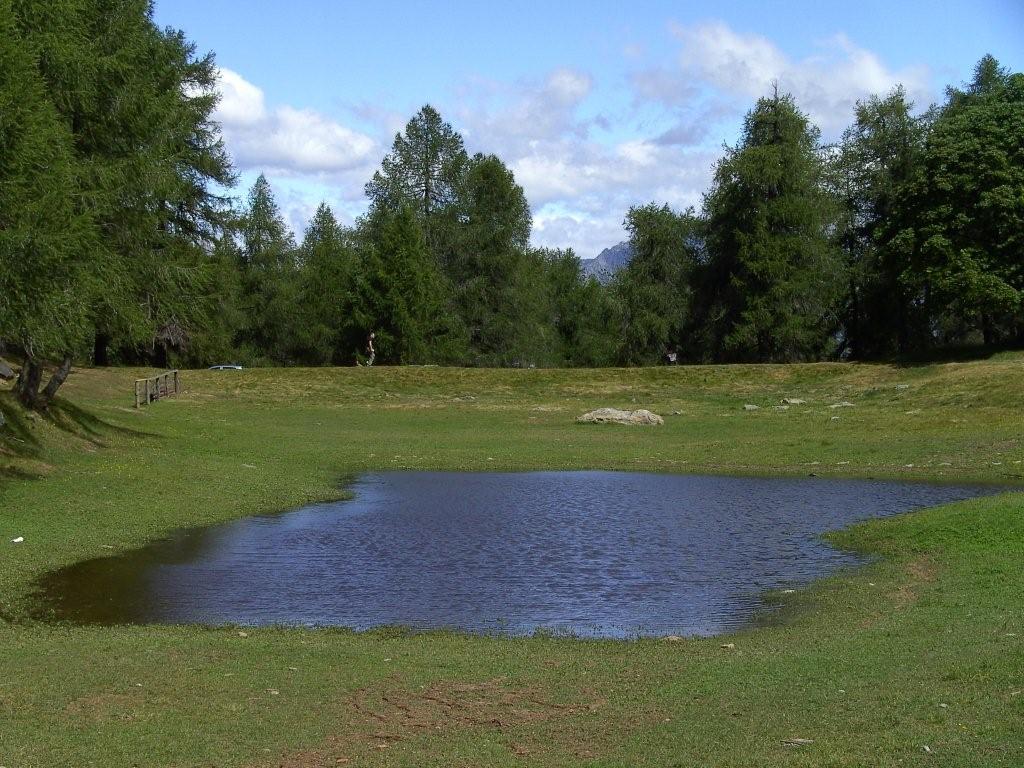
x: 922, y: 649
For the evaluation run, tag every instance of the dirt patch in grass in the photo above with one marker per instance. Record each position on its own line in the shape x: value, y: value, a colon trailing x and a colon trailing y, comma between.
x: 384, y: 717
x: 102, y: 707
x: 918, y: 573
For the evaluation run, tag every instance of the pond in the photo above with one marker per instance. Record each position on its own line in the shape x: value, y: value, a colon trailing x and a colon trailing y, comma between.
x: 598, y: 554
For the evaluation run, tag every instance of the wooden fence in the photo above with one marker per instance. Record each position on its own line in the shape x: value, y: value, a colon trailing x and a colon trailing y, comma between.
x: 155, y: 387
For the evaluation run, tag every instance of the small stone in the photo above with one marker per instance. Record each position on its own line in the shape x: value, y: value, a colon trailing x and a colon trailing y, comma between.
x: 797, y: 742
x: 944, y: 706
x: 780, y: 407
x: 729, y: 646
x: 677, y: 413
x: 673, y: 638
x: 273, y: 691
x: 902, y: 386
x: 926, y: 749
x: 751, y: 407
x: 789, y: 591
x: 243, y: 634
x: 17, y: 540
x: 793, y: 401
x: 843, y: 404
x: 834, y: 418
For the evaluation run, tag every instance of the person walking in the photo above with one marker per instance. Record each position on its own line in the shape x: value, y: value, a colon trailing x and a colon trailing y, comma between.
x: 371, y: 352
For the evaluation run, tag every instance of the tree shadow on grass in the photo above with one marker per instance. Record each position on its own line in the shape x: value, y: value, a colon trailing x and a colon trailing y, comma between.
x: 75, y: 420
x: 955, y: 354
x: 20, y: 443
x: 16, y: 436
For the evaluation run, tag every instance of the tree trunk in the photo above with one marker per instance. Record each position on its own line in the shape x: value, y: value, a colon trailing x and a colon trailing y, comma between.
x: 58, y: 378
x: 27, y: 385
x: 160, y: 355
x: 988, y: 330
x: 100, y: 353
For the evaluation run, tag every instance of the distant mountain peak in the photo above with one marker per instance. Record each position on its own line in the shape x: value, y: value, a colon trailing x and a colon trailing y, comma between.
x: 607, y: 262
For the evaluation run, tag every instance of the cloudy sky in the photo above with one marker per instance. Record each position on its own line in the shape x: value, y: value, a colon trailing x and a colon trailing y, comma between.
x: 596, y: 106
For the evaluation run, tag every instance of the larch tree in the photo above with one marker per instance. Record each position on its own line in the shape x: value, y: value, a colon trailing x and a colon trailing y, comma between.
x: 773, y: 278
x: 653, y: 291
x: 880, y: 154
x: 45, y: 285
x: 957, y: 229
x: 424, y: 172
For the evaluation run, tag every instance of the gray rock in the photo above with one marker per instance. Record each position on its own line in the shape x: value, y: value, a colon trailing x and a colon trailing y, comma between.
x: 5, y: 371
x: 751, y: 407
x: 844, y: 404
x: 615, y: 416
x: 793, y: 401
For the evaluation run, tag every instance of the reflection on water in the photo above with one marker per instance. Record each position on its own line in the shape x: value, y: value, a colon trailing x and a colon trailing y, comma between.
x: 592, y: 553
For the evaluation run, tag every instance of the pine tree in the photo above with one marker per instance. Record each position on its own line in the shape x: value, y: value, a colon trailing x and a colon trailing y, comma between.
x: 325, y: 290
x: 402, y: 296
x: 773, y: 278
x: 653, y: 291
x: 497, y: 287
x: 139, y: 104
x: 45, y: 287
x: 269, y: 278
x: 424, y: 172
x: 881, y: 153
x: 957, y: 229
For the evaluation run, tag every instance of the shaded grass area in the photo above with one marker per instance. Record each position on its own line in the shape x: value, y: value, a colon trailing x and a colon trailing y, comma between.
x: 860, y: 664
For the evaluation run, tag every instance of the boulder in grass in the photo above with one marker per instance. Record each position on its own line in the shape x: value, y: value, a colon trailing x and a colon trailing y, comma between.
x: 615, y: 416
x: 5, y: 371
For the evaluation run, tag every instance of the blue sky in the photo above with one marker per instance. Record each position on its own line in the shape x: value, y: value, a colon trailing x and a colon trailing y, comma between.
x: 596, y: 106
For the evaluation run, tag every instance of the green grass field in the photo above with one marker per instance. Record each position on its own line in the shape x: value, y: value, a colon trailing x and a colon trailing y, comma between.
x: 917, y: 659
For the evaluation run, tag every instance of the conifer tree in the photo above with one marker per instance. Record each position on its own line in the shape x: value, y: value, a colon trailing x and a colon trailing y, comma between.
x: 325, y: 290
x: 881, y: 153
x: 653, y: 290
x: 424, y: 172
x: 269, y: 278
x: 45, y: 286
x: 958, y: 228
x: 402, y: 296
x: 773, y: 278
x: 497, y: 290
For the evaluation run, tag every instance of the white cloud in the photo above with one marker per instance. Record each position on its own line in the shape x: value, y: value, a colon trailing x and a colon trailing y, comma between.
x: 826, y: 85
x: 241, y: 102
x: 286, y: 140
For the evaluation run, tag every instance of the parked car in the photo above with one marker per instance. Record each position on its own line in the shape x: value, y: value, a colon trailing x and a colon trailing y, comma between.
x: 225, y: 367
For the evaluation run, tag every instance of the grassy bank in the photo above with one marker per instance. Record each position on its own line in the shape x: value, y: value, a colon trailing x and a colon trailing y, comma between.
x: 861, y: 665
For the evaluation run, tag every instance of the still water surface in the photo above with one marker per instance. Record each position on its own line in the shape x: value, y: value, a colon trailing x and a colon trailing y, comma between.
x: 605, y: 554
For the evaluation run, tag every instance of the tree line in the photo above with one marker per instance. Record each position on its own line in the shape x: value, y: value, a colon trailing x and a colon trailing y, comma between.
x: 116, y: 245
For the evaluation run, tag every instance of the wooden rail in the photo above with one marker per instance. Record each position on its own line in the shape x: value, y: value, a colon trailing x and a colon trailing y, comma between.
x: 155, y: 387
